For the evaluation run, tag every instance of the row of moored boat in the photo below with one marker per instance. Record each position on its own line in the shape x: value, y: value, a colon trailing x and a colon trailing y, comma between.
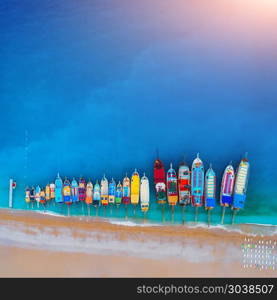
x: 131, y: 191
x: 189, y: 186
x: 196, y: 187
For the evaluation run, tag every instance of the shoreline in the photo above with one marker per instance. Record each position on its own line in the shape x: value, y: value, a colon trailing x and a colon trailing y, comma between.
x: 123, y: 250
x: 248, y: 229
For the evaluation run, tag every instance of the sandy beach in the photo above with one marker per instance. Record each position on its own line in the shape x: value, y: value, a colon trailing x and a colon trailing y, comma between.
x: 36, y: 245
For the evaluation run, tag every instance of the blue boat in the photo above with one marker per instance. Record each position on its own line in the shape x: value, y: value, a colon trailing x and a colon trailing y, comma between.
x: 210, y: 191
x: 58, y: 190
x: 37, y: 195
x: 112, y: 189
x: 241, y: 183
x: 74, y: 191
x: 197, y: 184
x: 67, y: 192
x: 96, y: 194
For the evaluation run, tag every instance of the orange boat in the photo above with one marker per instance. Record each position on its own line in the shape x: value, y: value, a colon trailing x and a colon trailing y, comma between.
x: 89, y: 193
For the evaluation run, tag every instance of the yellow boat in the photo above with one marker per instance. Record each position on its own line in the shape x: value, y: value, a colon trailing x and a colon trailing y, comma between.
x: 27, y: 195
x: 47, y: 193
x: 135, y: 185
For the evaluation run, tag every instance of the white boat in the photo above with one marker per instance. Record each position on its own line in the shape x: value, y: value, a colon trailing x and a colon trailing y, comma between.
x: 241, y: 183
x: 104, y: 191
x: 144, y: 193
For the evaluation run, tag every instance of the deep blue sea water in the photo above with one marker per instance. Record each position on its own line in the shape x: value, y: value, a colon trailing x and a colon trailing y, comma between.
x: 95, y: 86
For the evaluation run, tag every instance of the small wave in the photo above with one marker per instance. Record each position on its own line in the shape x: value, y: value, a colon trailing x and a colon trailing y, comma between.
x: 256, y: 229
x: 259, y: 224
x: 49, y: 213
x: 131, y: 224
x: 227, y: 228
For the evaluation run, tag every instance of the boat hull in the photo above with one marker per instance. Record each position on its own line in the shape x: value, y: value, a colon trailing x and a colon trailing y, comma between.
x: 126, y: 200
x: 210, y: 189
x: 52, y: 191
x: 197, y: 183
x: 96, y: 195
x: 135, y: 199
x: 47, y: 193
x: 58, y: 190
x: 104, y: 192
x: 241, y: 185
x: 112, y: 189
x: 27, y: 196
x: 67, y: 199
x: 82, y: 190
x: 42, y: 197
x: 160, y: 182
x: 135, y: 189
x: 105, y: 200
x: 239, y: 201
x: 172, y: 189
x: 227, y: 186
x: 144, y: 194
x: 67, y: 193
x: 184, y: 185
x: 89, y: 193
x: 111, y: 199
x: 126, y: 197
x: 74, y: 191
x: 118, y: 200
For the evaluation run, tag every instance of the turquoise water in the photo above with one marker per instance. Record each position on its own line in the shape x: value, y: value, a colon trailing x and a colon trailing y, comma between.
x: 93, y: 87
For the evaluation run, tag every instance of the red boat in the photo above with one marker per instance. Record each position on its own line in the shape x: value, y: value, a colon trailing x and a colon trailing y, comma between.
x: 160, y: 181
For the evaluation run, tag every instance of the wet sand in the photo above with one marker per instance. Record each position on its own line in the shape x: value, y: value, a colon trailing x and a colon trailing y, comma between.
x: 37, y: 245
